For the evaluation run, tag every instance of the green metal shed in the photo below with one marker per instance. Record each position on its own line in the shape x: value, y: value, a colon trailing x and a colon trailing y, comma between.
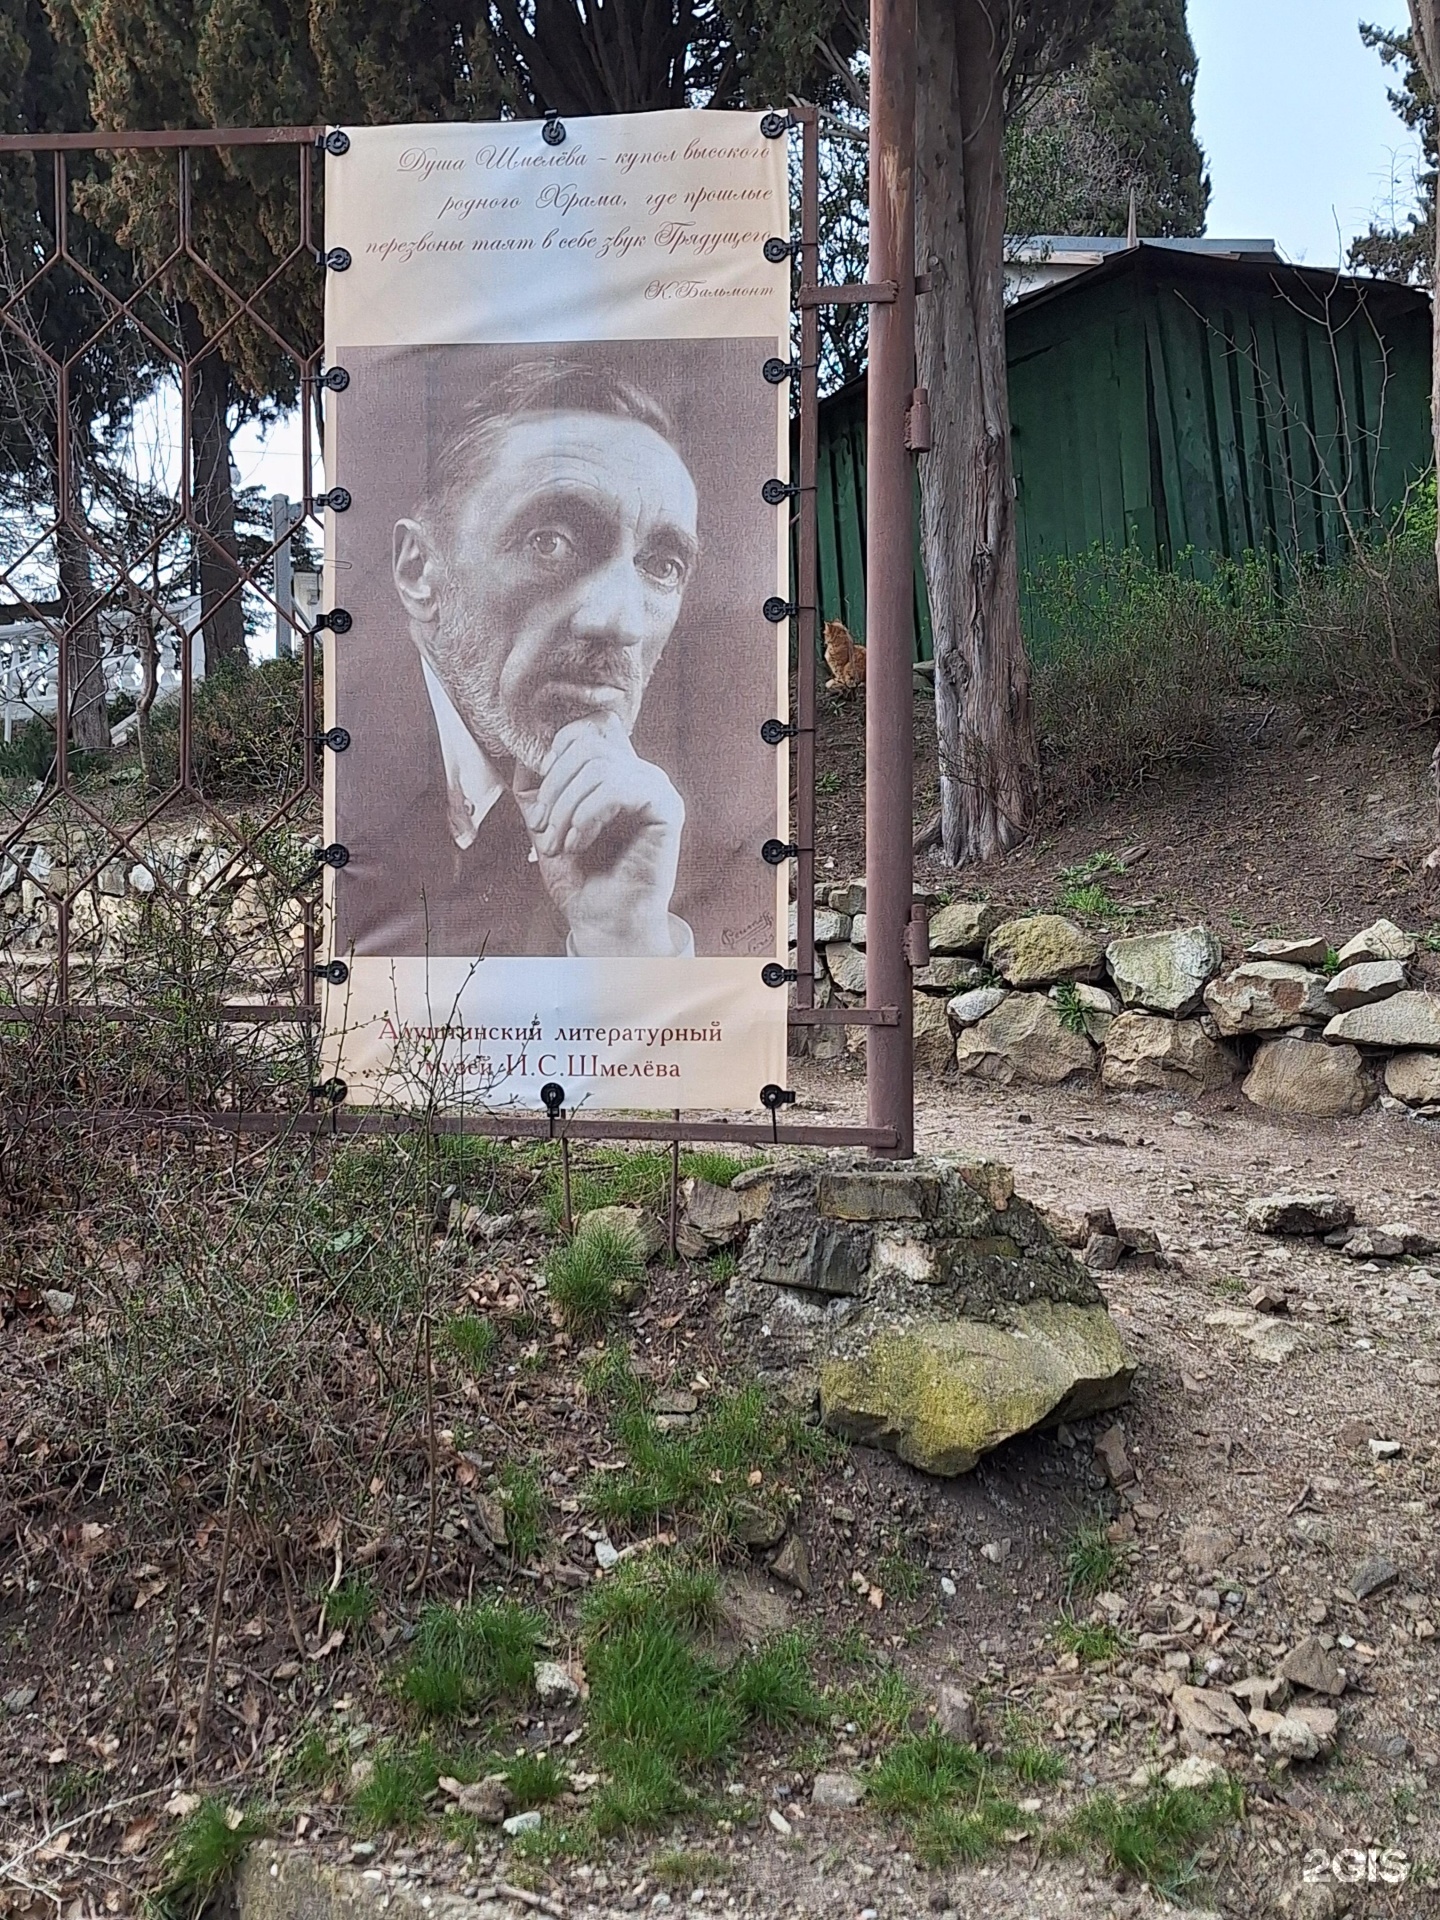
x: 1193, y: 405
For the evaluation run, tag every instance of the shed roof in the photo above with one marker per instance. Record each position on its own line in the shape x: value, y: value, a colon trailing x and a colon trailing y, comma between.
x: 1243, y: 269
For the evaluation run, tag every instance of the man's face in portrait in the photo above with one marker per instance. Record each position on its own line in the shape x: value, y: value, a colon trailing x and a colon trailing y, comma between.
x: 557, y: 579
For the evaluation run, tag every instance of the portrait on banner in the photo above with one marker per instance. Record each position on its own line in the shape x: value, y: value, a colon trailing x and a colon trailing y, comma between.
x: 554, y: 576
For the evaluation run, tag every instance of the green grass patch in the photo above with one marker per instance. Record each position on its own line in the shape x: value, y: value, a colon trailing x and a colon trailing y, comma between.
x: 524, y: 1504
x: 354, y: 1603
x: 703, y: 1474
x: 682, y: 1869
x: 644, y: 1592
x: 662, y: 1714
x: 318, y: 1762
x: 1091, y: 902
x: 948, y: 1796
x: 775, y: 1687
x: 587, y: 1278
x: 464, y: 1658
x: 208, y: 1846
x: 472, y: 1339
x: 624, y: 1177
x: 1091, y: 1562
x: 1034, y: 1765
x: 534, y: 1779
x: 880, y: 1703
x: 722, y: 1267
x: 901, y: 1577
x: 1160, y: 1837
x: 396, y: 1796
x: 1093, y: 1641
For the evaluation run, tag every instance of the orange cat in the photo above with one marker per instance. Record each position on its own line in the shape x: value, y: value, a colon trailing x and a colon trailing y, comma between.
x: 845, y: 658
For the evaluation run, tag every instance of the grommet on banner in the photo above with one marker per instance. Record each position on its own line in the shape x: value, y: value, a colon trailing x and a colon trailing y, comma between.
x: 775, y: 491
x: 338, y: 259
x: 776, y: 249
x: 553, y: 132
x: 772, y: 732
x: 335, y: 378
x: 776, y: 852
x: 775, y: 609
x: 336, y: 738
x: 333, y: 856
x: 332, y: 1090
x: 333, y: 972
x: 773, y: 125
x: 337, y: 142
x: 337, y: 620
x: 772, y: 974
x: 772, y: 1098
x: 338, y: 499
x: 778, y: 371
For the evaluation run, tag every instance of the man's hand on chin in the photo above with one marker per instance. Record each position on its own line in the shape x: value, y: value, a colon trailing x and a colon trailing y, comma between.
x: 605, y: 826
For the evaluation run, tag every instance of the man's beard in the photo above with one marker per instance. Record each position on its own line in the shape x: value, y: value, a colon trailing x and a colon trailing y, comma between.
x: 471, y: 677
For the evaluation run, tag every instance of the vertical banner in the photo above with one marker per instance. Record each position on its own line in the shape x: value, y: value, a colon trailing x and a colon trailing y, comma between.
x: 553, y: 426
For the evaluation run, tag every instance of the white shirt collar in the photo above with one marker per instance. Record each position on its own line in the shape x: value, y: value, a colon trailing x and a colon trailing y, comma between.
x: 471, y: 781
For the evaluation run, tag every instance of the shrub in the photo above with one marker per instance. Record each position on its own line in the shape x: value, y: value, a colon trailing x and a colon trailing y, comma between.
x: 245, y: 732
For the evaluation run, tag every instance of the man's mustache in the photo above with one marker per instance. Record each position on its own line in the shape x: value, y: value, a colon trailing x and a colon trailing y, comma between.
x: 590, y: 662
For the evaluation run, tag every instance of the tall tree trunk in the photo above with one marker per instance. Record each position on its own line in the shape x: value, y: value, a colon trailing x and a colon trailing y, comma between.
x: 85, y: 684
x: 1425, y: 32
x: 989, y: 759
x: 212, y: 498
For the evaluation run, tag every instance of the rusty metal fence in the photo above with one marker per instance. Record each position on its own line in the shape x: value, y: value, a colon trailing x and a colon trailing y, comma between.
x: 154, y: 910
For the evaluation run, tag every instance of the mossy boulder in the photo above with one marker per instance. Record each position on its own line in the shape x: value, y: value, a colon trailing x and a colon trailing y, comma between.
x: 926, y: 1306
x: 940, y: 1393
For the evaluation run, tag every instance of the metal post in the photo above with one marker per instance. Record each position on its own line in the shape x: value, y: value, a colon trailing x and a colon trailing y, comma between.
x: 889, y: 572
x: 283, y: 519
x: 807, y: 583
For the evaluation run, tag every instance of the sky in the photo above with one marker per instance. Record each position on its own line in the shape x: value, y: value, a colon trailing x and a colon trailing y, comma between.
x: 1291, y: 111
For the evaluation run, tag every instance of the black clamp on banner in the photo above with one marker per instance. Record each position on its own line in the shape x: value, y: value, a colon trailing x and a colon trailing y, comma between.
x: 335, y: 1091
x: 775, y: 609
x: 777, y: 372
x: 336, y: 738
x: 337, y: 620
x: 333, y: 972
x: 775, y: 492
x: 338, y: 499
x: 553, y: 132
x: 336, y: 142
x: 772, y: 1098
x: 337, y: 259
x: 772, y: 974
x: 335, y: 378
x: 773, y: 125
x: 776, y: 249
x: 772, y: 732
x: 776, y: 852
x: 332, y: 856
x: 552, y: 1098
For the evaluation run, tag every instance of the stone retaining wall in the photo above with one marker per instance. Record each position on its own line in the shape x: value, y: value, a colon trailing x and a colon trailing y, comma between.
x: 1039, y: 1000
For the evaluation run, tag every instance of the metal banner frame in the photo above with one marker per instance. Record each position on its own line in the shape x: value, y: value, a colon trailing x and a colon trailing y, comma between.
x: 892, y: 948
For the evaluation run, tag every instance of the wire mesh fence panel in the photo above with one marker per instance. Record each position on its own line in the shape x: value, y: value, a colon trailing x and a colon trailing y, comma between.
x: 160, y: 301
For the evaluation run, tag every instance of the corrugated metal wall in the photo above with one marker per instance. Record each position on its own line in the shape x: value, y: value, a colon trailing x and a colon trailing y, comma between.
x: 1191, y: 407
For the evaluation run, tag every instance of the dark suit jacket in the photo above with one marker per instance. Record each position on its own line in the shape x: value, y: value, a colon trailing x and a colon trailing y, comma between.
x: 408, y: 889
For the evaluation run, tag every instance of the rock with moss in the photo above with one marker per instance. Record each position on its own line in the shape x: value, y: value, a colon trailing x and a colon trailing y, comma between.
x: 1042, y: 949
x: 926, y: 1307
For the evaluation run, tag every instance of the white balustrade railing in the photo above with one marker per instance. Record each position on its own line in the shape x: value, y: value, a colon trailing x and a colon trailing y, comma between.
x: 30, y: 659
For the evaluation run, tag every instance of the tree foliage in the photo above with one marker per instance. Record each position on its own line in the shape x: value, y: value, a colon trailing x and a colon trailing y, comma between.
x: 1405, y: 248
x: 1117, y: 122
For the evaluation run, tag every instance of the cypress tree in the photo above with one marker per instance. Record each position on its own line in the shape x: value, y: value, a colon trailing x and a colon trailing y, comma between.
x: 1140, y: 81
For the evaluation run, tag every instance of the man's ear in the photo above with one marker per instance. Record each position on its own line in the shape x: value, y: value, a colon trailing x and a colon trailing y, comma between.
x: 416, y: 569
